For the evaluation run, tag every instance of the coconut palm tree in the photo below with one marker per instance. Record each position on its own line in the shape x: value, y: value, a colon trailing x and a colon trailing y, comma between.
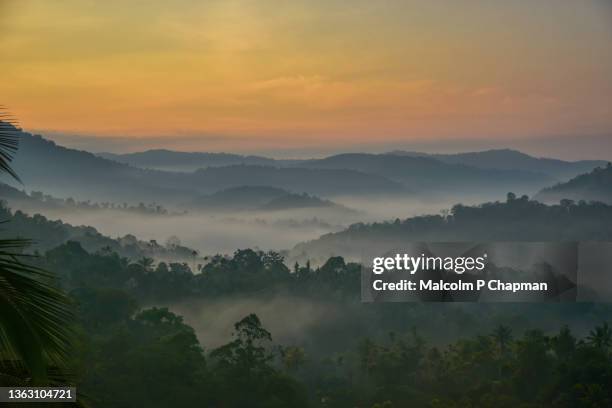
x: 601, y: 337
x: 35, y: 317
x: 145, y: 263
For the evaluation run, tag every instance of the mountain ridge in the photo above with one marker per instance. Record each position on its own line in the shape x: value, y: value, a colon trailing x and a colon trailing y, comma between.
x: 506, y: 159
x: 63, y: 172
x: 593, y: 186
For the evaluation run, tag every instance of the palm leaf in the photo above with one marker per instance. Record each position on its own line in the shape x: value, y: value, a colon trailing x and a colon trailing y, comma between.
x: 36, y: 317
x: 9, y: 142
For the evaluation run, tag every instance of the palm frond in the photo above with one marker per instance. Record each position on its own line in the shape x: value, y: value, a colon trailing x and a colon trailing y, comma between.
x: 36, y: 317
x: 9, y: 142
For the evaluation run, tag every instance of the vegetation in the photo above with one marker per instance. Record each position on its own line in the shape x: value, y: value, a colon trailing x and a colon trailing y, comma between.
x: 46, y: 234
x: 251, y: 198
x: 35, y: 318
x: 106, y: 311
x: 593, y: 186
x: 38, y: 201
x: 130, y: 356
x: 516, y: 219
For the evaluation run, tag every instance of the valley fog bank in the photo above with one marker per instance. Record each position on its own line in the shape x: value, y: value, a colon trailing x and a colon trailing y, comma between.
x: 211, y: 232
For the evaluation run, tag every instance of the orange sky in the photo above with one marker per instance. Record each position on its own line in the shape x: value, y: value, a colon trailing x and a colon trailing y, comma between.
x: 245, y: 74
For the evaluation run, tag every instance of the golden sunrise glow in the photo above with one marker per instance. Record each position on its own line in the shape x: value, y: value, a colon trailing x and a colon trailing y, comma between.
x: 300, y: 73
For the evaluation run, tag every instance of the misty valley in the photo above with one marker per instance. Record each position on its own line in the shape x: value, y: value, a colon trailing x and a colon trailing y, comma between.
x: 221, y: 280
x: 306, y: 204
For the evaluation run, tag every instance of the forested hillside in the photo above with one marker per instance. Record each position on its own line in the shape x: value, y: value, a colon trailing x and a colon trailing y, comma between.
x: 383, y: 355
x: 517, y: 219
x: 593, y: 186
x: 46, y: 234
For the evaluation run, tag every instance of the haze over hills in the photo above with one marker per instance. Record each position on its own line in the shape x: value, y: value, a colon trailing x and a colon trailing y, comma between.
x: 62, y: 172
x: 300, y: 201
x: 498, y: 159
x: 34, y: 202
x: 254, y: 198
x: 593, y: 186
x: 239, y: 198
x: 162, y: 159
x: 517, y: 219
x: 508, y: 159
x: 427, y: 174
x: 46, y: 234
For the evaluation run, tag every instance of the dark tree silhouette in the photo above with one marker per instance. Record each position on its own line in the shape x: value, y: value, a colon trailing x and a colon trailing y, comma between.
x: 35, y: 317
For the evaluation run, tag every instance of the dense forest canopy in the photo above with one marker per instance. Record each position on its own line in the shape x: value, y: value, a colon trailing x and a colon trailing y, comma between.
x: 367, y: 355
x: 370, y: 355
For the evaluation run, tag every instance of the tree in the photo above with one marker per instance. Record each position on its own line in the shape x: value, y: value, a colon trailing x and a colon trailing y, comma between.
x: 502, y: 336
x: 146, y: 263
x: 35, y: 317
x: 244, y: 372
x: 564, y: 344
x: 247, y: 351
x: 601, y: 337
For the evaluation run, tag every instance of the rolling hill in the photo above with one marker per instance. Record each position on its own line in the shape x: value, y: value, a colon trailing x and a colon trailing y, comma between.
x: 63, y: 172
x: 428, y: 174
x: 593, y: 186
x: 264, y: 198
x: 507, y: 159
x: 162, y: 159
x: 513, y: 221
x: 46, y: 234
x: 45, y: 166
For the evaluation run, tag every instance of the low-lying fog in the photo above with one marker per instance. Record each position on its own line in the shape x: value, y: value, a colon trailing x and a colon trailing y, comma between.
x: 329, y: 326
x: 213, y: 320
x: 223, y: 232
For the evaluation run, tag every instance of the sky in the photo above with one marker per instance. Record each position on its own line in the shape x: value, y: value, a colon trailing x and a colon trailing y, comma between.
x: 310, y: 77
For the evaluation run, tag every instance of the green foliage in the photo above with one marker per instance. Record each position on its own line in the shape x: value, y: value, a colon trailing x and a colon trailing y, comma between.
x: 128, y: 358
x: 244, y: 373
x: 9, y: 142
x: 36, y: 317
x: 601, y: 337
x: 47, y: 234
x: 517, y: 219
x: 152, y: 360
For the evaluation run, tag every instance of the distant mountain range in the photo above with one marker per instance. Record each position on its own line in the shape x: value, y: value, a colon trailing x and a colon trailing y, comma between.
x: 593, y: 186
x: 502, y: 159
x: 427, y: 174
x: 506, y: 159
x: 63, y: 172
x: 45, y: 166
x: 492, y: 172
x: 162, y: 159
